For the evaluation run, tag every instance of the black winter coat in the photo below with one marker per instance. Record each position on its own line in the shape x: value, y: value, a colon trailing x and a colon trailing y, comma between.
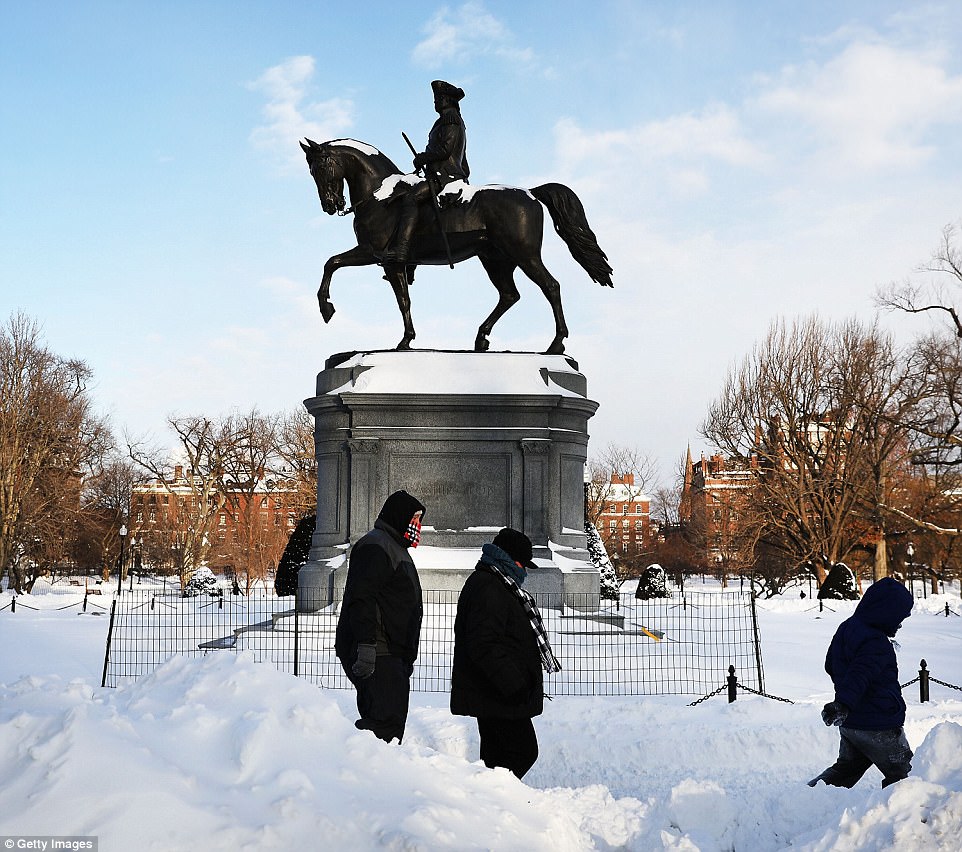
x: 861, y: 660
x: 382, y: 599
x: 497, y: 668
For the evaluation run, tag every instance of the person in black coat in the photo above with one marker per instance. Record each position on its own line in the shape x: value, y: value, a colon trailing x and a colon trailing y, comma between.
x: 868, y: 706
x: 379, y: 625
x: 500, y: 651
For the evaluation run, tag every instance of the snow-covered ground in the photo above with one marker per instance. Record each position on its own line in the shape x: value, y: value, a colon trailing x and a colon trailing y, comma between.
x: 225, y: 753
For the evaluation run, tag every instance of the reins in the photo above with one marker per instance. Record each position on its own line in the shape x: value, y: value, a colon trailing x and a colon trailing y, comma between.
x: 326, y: 166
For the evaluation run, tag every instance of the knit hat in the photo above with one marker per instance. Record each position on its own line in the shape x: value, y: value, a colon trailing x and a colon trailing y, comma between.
x: 517, y: 545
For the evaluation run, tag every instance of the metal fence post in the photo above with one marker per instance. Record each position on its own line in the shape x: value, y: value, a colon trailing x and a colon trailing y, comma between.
x: 923, y: 683
x: 110, y: 632
x: 296, y: 643
x: 758, y: 646
x: 732, y: 685
x: 13, y: 604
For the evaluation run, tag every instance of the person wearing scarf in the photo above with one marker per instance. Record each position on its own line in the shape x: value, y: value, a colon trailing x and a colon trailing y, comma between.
x: 379, y: 626
x: 501, y: 650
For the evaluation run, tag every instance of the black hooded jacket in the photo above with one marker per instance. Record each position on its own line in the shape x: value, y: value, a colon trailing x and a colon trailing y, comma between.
x: 861, y: 660
x: 382, y: 597
x: 496, y: 672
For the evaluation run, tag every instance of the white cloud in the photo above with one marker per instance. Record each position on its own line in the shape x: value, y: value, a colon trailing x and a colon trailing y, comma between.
x: 289, y: 116
x: 870, y: 107
x: 679, y: 151
x: 463, y: 33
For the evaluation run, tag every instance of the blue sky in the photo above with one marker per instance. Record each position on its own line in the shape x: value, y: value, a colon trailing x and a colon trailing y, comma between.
x: 739, y: 162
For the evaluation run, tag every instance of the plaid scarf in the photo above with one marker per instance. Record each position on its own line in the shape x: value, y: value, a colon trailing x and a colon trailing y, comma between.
x: 549, y: 662
x: 413, y: 533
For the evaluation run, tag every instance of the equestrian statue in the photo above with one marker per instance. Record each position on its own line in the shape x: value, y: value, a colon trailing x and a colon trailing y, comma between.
x: 435, y: 217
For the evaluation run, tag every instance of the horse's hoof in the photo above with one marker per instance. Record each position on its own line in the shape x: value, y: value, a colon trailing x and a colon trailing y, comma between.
x: 327, y: 311
x: 557, y: 348
x: 404, y: 345
x: 481, y: 344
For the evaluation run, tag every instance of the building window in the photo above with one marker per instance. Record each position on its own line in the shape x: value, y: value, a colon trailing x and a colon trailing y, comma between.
x: 263, y: 502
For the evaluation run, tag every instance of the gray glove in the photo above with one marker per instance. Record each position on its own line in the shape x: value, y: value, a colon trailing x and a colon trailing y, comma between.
x: 363, y: 666
x: 834, y: 713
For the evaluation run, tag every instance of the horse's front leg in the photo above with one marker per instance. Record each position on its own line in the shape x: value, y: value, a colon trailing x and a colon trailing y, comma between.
x: 357, y: 256
x: 399, y: 283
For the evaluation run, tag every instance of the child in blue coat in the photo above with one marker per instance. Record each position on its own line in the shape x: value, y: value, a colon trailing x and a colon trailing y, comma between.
x: 868, y: 705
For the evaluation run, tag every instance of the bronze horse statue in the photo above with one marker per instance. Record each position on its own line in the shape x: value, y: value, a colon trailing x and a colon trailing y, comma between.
x: 501, y: 226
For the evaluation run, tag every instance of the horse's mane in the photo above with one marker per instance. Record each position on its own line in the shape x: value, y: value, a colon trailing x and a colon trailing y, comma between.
x: 364, y: 148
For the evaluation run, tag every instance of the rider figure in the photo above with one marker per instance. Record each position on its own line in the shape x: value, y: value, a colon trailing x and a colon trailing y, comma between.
x: 444, y: 160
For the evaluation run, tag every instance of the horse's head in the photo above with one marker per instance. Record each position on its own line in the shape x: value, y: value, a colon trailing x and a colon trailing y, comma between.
x: 328, y: 176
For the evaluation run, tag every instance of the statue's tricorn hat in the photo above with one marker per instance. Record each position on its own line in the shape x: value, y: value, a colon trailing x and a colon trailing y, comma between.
x: 447, y: 90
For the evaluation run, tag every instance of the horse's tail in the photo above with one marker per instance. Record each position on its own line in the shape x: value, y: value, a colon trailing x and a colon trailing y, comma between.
x: 571, y: 223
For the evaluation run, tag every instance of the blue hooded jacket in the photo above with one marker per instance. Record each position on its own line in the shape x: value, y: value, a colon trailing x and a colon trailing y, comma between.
x: 861, y: 660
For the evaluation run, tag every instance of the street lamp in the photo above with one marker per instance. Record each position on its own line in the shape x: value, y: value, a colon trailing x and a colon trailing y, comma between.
x: 120, y: 563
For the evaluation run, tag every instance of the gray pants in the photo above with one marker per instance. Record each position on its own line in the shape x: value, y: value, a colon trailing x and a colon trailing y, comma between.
x: 858, y: 750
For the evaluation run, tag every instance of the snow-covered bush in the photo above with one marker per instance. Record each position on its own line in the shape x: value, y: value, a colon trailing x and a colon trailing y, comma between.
x: 839, y: 585
x: 201, y: 582
x: 653, y: 584
x: 599, y: 558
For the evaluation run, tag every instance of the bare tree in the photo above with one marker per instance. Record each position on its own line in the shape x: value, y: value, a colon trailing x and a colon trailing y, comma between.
x: 198, y: 492
x: 237, y: 467
x: 252, y: 473
x: 621, y: 463
x: 105, y: 502
x: 933, y: 414
x: 814, y: 403
x: 49, y: 437
x: 295, y: 449
x: 619, y: 474
x: 932, y: 293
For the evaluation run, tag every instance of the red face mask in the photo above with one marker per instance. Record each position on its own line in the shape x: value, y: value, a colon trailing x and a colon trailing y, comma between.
x: 413, y: 533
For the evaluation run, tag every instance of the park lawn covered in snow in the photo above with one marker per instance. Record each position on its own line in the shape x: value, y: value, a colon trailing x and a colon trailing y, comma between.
x: 225, y: 753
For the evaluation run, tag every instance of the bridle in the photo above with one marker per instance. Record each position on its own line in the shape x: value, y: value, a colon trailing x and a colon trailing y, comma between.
x: 330, y: 183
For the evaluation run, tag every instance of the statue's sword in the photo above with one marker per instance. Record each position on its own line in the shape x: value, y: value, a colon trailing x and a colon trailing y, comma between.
x: 434, y: 202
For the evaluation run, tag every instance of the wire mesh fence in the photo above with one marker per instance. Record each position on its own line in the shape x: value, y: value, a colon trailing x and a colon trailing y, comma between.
x: 682, y: 645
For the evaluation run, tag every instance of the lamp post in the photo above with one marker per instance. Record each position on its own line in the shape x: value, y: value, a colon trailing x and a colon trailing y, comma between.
x: 120, y: 562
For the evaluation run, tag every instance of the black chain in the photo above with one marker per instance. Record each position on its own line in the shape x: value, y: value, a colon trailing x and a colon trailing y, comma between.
x: 903, y: 685
x: 764, y: 694
x: 943, y: 683
x: 706, y: 697
x: 740, y: 686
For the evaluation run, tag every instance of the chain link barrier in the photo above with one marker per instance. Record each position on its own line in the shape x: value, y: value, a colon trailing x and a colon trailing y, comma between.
x: 733, y: 686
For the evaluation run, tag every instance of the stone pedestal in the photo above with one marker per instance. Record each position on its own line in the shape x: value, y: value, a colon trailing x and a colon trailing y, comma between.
x: 484, y: 440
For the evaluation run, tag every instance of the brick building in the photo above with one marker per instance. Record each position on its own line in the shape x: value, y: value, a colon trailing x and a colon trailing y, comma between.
x: 624, y: 516
x: 715, y: 497
x: 255, y: 515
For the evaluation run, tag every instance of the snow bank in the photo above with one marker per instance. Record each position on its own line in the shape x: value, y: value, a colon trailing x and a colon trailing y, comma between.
x: 224, y: 753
